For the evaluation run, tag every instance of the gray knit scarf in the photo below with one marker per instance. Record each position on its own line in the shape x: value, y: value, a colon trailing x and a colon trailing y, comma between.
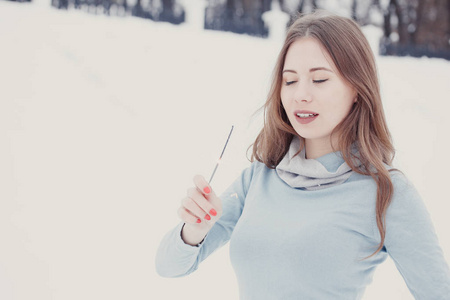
x: 310, y: 174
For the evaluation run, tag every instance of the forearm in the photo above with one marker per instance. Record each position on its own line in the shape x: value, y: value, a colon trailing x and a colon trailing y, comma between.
x: 175, y: 258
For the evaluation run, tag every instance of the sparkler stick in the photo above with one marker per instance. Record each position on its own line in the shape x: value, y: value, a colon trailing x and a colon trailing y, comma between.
x: 214, y: 172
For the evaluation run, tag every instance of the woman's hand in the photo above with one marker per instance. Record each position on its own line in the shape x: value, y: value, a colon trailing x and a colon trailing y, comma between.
x: 201, y: 208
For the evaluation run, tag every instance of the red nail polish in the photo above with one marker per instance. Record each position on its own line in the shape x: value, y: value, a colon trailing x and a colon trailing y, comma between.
x: 207, y: 217
x: 199, y: 221
x: 213, y: 212
x: 207, y: 190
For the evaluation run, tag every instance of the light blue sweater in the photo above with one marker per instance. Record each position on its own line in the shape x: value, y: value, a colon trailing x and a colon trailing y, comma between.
x: 293, y: 243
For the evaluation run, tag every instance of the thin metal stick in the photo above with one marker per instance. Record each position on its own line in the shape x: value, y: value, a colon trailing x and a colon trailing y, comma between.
x: 214, y: 172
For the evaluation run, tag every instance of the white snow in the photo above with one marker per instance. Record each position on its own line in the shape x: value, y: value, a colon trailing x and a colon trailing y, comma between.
x: 276, y: 21
x: 104, y: 122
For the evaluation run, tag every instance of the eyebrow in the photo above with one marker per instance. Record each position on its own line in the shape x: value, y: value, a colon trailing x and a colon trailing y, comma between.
x: 310, y: 70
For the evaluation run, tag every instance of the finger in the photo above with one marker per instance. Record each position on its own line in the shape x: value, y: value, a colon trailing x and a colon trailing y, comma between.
x: 192, y: 206
x: 187, y: 216
x: 202, y: 202
x: 201, y: 183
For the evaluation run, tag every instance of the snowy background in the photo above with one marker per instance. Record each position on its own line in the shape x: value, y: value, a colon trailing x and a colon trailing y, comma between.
x: 104, y: 122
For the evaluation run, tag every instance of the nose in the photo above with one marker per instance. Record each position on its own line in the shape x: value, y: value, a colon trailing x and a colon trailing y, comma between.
x: 302, y: 93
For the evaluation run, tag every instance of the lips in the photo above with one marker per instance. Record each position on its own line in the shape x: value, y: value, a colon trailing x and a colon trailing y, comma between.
x: 305, y: 116
x: 304, y: 112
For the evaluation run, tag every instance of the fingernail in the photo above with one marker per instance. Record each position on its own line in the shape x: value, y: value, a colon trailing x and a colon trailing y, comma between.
x: 213, y: 212
x: 207, y: 217
x: 199, y: 221
x: 207, y: 190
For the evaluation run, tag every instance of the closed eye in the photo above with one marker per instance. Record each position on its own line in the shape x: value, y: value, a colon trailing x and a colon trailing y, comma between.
x: 320, y: 81
x: 315, y: 81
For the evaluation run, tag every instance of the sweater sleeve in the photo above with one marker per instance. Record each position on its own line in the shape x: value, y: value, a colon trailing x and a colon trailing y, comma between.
x: 413, y: 245
x: 175, y: 258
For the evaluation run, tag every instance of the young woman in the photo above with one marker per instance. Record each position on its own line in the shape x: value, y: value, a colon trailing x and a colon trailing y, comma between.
x: 321, y: 207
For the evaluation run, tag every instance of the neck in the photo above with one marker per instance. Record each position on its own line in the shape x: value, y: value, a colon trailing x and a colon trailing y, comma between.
x: 315, y: 148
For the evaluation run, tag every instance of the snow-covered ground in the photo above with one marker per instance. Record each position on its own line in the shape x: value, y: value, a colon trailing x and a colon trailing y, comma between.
x: 105, y: 120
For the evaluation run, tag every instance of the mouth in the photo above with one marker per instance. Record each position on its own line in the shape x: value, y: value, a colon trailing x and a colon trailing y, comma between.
x: 304, y: 117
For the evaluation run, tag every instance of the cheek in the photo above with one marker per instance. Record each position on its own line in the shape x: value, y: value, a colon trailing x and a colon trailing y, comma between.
x: 284, y: 99
x: 336, y: 112
x: 286, y: 110
x: 341, y: 111
x: 283, y: 96
x: 342, y: 104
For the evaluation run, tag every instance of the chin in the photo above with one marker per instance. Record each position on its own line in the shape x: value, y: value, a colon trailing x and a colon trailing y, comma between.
x: 307, y: 134
x: 312, y: 136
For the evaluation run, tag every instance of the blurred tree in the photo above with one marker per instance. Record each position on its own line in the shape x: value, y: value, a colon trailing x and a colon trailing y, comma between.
x: 106, y: 6
x: 432, y: 24
x: 167, y: 10
x: 354, y: 9
x: 410, y: 27
x: 239, y: 16
x: 293, y: 8
x: 125, y: 6
x: 306, y: 6
x: 137, y: 9
x: 416, y: 28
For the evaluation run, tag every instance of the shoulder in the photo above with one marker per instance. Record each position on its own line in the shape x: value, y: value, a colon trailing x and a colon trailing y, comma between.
x: 256, y: 167
x: 256, y: 174
x: 401, y: 182
x: 405, y: 197
x: 248, y: 174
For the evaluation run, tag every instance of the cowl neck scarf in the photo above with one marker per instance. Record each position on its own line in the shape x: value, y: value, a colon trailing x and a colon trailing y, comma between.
x: 313, y: 174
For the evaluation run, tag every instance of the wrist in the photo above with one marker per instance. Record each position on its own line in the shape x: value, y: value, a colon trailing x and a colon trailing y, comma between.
x: 193, y: 234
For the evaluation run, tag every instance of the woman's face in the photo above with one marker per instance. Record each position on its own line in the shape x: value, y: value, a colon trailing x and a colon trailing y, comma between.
x: 311, y: 85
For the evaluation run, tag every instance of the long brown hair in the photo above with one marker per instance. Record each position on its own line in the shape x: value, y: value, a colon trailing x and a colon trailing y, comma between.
x: 365, y: 127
